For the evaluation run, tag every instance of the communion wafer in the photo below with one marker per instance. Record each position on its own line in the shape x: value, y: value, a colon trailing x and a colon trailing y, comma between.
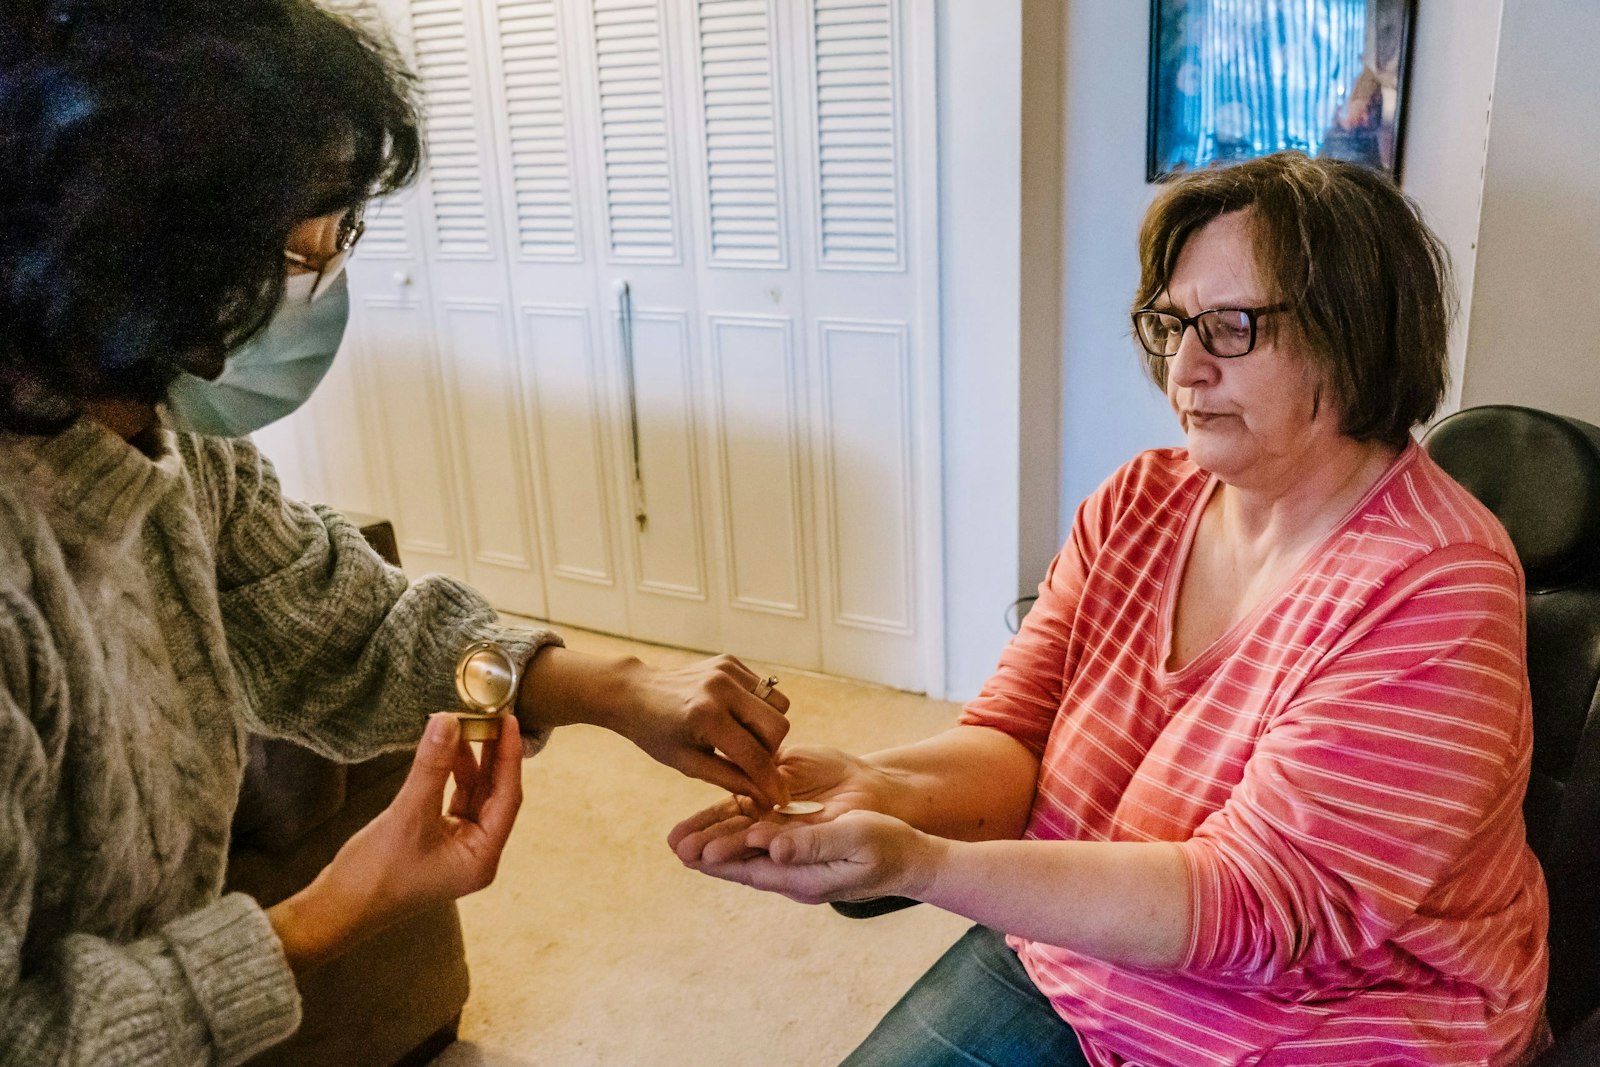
x: 799, y: 807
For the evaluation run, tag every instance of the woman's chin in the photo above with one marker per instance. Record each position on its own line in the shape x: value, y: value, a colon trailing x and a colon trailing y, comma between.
x: 1212, y: 452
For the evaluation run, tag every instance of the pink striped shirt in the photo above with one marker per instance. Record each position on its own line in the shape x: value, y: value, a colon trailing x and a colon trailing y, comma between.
x: 1345, y: 769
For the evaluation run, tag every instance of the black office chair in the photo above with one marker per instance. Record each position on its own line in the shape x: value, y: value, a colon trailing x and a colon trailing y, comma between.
x: 1540, y: 474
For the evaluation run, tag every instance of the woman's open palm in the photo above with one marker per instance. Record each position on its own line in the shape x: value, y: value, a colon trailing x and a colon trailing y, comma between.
x: 837, y: 780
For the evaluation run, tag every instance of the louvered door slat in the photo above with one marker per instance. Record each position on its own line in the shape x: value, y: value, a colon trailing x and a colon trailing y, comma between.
x: 386, y: 235
x: 728, y: 80
x: 536, y: 124
x: 858, y: 155
x: 638, y: 129
x: 633, y: 129
x: 455, y: 172
x: 731, y: 127
x: 741, y: 133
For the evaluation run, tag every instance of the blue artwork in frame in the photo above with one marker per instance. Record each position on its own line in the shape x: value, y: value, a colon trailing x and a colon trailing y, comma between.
x: 1237, y: 79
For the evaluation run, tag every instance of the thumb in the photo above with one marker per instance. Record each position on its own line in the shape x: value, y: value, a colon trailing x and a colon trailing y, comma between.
x: 812, y: 843
x: 431, y: 767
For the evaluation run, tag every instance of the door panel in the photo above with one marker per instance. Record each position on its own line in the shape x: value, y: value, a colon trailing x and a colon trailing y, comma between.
x: 875, y: 362
x: 414, y: 433
x: 533, y: 105
x: 488, y: 424
x: 751, y: 294
x: 630, y: 69
x: 759, y: 458
x: 534, y: 59
x: 867, y: 474
x: 741, y: 192
x: 869, y: 495
x: 455, y: 171
x: 670, y: 542
x: 857, y: 142
x: 466, y: 243
x: 762, y: 462
x: 563, y: 381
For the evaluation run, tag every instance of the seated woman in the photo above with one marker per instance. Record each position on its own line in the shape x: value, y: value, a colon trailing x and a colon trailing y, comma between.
x: 1246, y: 788
x: 168, y: 168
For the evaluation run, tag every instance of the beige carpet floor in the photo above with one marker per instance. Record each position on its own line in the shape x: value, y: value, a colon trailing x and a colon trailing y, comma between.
x: 595, y: 947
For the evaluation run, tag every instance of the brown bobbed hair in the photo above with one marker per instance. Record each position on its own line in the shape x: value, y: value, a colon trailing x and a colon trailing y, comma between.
x: 1368, y: 283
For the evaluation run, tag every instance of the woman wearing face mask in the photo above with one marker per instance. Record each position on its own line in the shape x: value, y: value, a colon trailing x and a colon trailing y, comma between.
x: 272, y: 374
x: 181, y: 180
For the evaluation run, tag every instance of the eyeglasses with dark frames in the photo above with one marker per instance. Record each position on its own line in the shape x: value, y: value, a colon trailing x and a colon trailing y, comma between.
x: 352, y: 224
x: 1226, y: 333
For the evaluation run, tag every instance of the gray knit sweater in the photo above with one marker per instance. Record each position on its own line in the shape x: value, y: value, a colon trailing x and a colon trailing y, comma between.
x: 153, y: 611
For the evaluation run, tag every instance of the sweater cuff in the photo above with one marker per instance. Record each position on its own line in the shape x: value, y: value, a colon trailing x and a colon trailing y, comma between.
x: 524, y: 644
x: 239, y: 976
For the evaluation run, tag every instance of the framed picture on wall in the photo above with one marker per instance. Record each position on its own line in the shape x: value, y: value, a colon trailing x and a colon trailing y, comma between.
x: 1237, y: 79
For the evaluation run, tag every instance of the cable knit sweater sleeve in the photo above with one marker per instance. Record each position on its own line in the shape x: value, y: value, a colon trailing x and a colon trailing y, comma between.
x: 333, y: 646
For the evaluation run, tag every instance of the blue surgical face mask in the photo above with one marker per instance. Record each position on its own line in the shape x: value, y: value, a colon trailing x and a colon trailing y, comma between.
x: 274, y: 372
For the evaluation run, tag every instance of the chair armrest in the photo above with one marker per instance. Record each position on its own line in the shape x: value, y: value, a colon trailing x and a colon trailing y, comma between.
x: 872, y: 907
x: 287, y: 792
x: 1578, y: 1048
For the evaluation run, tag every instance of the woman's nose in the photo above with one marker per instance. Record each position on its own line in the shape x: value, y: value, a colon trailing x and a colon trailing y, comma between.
x: 1191, y: 364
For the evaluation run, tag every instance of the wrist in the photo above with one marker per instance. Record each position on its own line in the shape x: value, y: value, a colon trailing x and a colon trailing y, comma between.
x: 317, y: 923
x: 927, y: 858
x: 563, y: 688
x: 622, y: 689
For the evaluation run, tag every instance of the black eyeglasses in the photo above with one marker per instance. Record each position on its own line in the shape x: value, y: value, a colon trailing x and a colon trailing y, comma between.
x: 1226, y: 333
x: 352, y: 224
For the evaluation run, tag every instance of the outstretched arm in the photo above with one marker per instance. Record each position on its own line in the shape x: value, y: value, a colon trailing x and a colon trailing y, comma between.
x: 1123, y: 902
x: 937, y: 821
x: 703, y: 719
x: 353, y: 680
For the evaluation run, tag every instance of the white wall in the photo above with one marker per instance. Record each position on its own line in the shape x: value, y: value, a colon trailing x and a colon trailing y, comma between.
x: 1532, y: 338
x: 1109, y: 409
x: 1446, y: 136
x: 1039, y: 422
x: 980, y: 57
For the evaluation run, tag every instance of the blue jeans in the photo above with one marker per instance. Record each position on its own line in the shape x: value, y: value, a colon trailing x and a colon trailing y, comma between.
x: 976, y: 1007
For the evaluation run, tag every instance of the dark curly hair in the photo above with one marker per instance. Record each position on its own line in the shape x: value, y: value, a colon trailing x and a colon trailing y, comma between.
x: 157, y: 154
x: 1368, y: 281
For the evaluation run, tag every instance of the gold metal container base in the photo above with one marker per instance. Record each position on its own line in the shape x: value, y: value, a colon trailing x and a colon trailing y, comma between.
x: 479, y: 727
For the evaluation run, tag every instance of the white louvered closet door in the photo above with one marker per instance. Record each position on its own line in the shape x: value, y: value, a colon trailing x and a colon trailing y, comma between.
x: 634, y: 122
x: 871, y: 328
x: 750, y: 283
x: 758, y: 174
x: 479, y: 400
